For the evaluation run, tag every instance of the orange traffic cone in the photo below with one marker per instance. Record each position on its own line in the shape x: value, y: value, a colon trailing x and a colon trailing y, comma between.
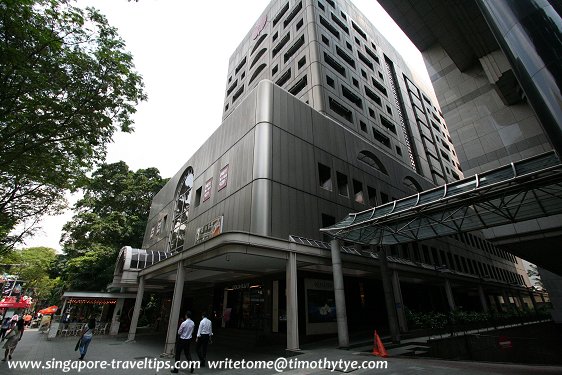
x: 378, y: 348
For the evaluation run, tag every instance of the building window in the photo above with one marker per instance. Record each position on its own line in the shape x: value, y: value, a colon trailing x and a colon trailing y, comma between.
x: 340, y: 109
x: 343, y: 189
x: 330, y: 81
x: 325, y: 177
x: 301, y: 62
x: 384, y: 198
x: 181, y: 211
x: 198, y: 196
x: 358, y: 191
x: 363, y: 126
x: 372, y: 192
x: 372, y: 160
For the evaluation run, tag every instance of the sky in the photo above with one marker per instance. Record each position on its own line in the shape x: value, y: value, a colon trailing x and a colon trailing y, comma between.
x: 182, y: 49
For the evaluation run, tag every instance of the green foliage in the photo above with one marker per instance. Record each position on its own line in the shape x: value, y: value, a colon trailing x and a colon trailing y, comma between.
x: 33, y: 266
x: 113, y: 213
x: 67, y: 85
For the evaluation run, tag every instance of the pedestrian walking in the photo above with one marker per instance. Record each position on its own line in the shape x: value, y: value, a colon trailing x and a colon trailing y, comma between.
x: 185, y: 333
x: 13, y: 336
x: 203, y: 339
x: 86, y: 338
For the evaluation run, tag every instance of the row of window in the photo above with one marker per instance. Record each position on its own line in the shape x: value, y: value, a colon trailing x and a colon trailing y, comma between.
x: 358, y: 194
x: 441, y: 258
x: 479, y: 243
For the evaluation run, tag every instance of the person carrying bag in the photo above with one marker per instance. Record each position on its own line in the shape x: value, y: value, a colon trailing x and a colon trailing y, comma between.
x: 86, y: 338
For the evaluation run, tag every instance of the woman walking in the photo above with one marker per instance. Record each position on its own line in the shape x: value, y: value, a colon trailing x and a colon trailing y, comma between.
x: 12, y: 339
x: 87, y: 334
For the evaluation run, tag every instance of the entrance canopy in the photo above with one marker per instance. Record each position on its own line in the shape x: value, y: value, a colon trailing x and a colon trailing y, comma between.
x: 519, y: 191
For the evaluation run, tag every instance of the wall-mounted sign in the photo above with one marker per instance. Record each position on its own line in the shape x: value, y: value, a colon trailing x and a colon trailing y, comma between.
x: 223, y: 177
x: 207, y: 191
x: 209, y: 230
x: 240, y: 286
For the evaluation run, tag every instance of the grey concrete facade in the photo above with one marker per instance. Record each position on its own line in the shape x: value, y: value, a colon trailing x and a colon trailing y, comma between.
x: 286, y: 163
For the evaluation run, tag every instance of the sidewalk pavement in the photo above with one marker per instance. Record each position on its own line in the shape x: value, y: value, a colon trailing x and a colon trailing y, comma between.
x: 35, y: 347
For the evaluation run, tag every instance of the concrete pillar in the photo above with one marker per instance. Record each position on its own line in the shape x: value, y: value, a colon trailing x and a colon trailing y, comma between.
x: 399, y: 302
x: 275, y: 308
x: 115, y: 319
x: 449, y: 293
x: 175, y: 312
x: 136, y: 310
x: 522, y: 304
x: 506, y: 301
x: 292, y: 303
x: 63, y: 308
x: 499, y: 306
x: 224, y: 304
x: 389, y: 296
x: 533, y: 300
x: 483, y: 301
x: 339, y: 292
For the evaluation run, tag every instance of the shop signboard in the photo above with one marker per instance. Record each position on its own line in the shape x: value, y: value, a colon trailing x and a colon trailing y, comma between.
x: 209, y: 230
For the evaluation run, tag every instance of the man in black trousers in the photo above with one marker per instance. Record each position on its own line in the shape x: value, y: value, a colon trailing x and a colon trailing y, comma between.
x: 185, y: 333
x: 204, y: 334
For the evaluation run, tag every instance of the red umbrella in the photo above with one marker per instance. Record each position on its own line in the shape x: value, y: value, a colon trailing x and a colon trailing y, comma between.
x: 49, y: 310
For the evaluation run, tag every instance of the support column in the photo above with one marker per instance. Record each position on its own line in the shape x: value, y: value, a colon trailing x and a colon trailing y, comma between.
x: 275, y: 308
x: 533, y: 301
x: 292, y: 303
x: 399, y: 302
x: 339, y: 293
x: 175, y: 312
x: 115, y: 319
x: 506, y: 300
x: 449, y: 293
x: 522, y: 305
x: 62, y: 310
x: 483, y: 301
x: 224, y: 303
x: 389, y: 296
x: 499, y: 306
x: 136, y: 310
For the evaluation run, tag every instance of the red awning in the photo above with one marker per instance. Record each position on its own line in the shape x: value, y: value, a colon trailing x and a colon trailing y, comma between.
x: 11, y: 303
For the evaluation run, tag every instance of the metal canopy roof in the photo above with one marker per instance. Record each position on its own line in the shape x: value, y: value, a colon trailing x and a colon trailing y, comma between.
x: 519, y: 191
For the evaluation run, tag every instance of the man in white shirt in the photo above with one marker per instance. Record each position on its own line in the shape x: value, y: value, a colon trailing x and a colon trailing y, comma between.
x: 185, y: 332
x: 204, y: 334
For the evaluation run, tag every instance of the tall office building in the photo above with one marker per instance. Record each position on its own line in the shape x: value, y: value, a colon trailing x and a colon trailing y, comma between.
x: 322, y: 117
x: 496, y: 69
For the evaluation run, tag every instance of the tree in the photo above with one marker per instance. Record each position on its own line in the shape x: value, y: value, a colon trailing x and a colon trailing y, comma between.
x: 32, y: 266
x: 113, y: 213
x: 67, y: 84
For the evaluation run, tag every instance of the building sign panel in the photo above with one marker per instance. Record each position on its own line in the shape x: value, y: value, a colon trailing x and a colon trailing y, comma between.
x: 209, y: 230
x: 207, y: 192
x: 223, y: 177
